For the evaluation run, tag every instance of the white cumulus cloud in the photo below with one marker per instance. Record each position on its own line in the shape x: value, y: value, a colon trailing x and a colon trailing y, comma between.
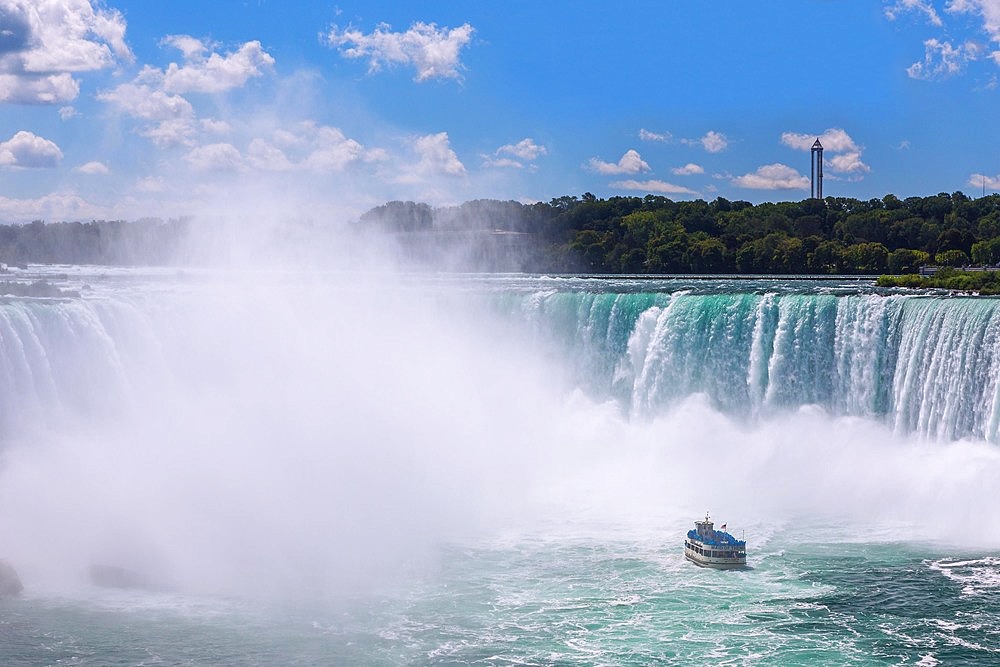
x: 308, y: 146
x: 653, y: 185
x: 332, y: 150
x: 157, y: 96
x: 689, y: 169
x: 93, y: 168
x: 983, y: 181
x: 216, y: 126
x: 43, y: 89
x: 191, y: 47
x: 436, y: 155
x: 841, y: 152
x: 515, y: 155
x: 773, y: 177
x: 148, y: 103
x: 647, y: 135
x: 26, y: 149
x: 630, y: 163
x: 213, y: 73
x: 264, y: 155
x: 45, y: 41
x: 526, y: 149
x: 172, y: 132
x: 711, y: 141
x: 434, y: 52
x: 491, y: 161
x: 847, y: 163
x: 216, y: 157
x: 714, y: 142
x: 833, y: 139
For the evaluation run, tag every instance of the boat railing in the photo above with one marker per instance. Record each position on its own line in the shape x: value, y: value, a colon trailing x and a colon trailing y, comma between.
x: 724, y: 539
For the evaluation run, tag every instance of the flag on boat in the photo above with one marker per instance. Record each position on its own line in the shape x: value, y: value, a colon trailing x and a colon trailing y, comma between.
x: 722, y: 527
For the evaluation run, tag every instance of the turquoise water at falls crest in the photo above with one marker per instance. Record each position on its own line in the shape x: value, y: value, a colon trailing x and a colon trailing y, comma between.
x: 922, y: 364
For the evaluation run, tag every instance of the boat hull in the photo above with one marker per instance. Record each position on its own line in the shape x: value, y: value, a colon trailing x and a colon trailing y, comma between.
x: 716, y: 563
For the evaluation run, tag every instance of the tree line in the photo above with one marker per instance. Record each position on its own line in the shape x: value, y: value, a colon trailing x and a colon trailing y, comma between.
x: 587, y: 234
x: 149, y: 241
x: 654, y: 234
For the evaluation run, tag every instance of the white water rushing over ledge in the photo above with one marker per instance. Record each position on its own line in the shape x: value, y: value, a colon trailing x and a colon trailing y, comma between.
x: 282, y: 433
x: 925, y: 365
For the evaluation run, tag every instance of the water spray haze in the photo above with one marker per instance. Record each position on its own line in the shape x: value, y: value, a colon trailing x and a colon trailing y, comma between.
x: 293, y: 434
x: 278, y: 437
x: 834, y: 478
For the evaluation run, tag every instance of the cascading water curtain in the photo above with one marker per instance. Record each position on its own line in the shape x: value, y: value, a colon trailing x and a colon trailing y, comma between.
x: 925, y: 365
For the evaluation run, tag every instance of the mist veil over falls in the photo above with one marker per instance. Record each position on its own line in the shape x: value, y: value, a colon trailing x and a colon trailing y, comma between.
x: 233, y: 443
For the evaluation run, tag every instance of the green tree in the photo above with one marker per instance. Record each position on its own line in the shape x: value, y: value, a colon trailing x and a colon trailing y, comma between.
x: 633, y: 261
x: 707, y: 255
x: 828, y: 258
x: 591, y: 247
x: 866, y: 257
x: 986, y: 253
x: 905, y: 260
x: 951, y: 258
x: 789, y: 256
x: 989, y: 225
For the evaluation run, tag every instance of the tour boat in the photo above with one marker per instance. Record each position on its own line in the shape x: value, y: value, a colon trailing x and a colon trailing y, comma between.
x: 717, y: 549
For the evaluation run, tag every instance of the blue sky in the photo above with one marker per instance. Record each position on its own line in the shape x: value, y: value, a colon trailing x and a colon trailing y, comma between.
x: 128, y: 108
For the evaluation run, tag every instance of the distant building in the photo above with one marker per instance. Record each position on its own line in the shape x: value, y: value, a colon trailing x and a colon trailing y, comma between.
x: 816, y: 187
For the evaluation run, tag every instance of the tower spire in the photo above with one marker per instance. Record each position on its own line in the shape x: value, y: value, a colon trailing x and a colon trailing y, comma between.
x: 816, y: 169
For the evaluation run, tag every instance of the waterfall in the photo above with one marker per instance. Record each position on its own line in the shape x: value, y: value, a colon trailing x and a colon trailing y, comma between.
x: 927, y: 365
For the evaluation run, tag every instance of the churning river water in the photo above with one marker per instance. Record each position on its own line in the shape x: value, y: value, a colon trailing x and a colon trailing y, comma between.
x: 298, y: 469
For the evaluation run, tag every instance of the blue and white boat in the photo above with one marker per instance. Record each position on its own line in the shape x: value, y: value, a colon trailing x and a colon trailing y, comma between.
x: 717, y: 549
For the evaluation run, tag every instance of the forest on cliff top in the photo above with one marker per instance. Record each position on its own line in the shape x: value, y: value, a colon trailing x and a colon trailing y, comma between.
x: 587, y: 234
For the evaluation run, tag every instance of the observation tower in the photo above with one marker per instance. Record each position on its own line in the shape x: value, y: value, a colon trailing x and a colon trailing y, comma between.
x: 816, y: 186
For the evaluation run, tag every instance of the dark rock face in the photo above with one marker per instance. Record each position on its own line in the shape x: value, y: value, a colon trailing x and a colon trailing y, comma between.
x: 10, y: 583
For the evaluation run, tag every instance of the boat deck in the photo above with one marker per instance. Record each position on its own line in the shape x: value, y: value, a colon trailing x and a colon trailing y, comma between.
x: 712, y: 548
